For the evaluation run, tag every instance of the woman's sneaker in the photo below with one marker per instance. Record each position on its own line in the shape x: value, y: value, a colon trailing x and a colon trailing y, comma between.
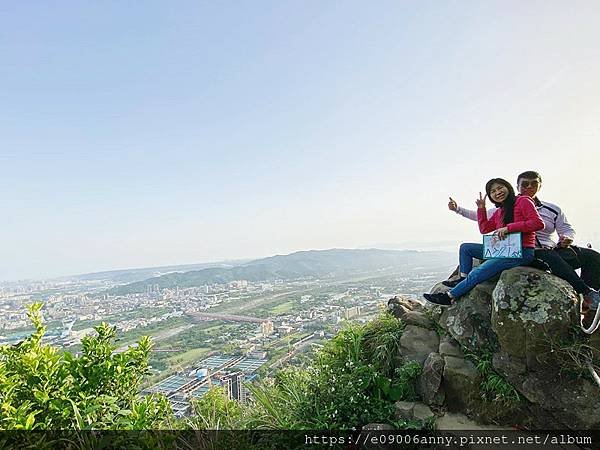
x: 453, y: 283
x: 441, y: 299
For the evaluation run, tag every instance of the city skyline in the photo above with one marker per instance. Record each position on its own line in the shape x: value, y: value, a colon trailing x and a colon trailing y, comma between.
x: 145, y: 137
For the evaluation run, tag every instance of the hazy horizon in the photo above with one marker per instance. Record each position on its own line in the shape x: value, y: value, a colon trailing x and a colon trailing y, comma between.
x: 177, y: 134
x: 388, y: 246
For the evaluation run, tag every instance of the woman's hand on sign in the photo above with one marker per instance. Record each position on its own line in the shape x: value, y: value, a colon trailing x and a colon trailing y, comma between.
x: 481, y: 201
x: 501, y: 233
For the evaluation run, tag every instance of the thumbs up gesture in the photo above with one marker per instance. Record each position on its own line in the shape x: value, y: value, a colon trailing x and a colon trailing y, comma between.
x: 452, y: 205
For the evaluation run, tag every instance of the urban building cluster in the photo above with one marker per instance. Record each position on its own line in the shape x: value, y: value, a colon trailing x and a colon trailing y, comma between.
x: 228, y: 372
x: 257, y: 327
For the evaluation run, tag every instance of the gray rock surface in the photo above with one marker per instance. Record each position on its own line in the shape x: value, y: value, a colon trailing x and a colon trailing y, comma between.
x: 528, y: 321
x: 412, y: 411
x: 456, y: 421
x: 449, y: 347
x: 422, y: 412
x: 404, y: 410
x: 429, y: 385
x: 530, y: 308
x: 409, y: 312
x: 468, y: 321
x: 461, y: 384
x: 417, y: 343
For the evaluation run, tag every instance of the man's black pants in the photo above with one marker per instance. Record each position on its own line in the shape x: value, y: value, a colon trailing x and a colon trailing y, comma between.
x: 588, y: 261
x: 563, y: 263
x: 562, y: 269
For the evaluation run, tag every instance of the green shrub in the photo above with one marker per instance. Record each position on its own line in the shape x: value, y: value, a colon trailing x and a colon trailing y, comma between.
x: 215, y: 411
x: 381, y: 342
x: 280, y: 403
x: 355, y: 379
x: 41, y: 388
x: 573, y: 353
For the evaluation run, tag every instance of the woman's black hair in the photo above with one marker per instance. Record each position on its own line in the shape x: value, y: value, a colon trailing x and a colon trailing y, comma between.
x: 508, y: 205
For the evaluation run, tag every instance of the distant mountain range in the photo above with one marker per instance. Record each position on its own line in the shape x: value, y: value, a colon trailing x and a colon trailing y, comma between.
x: 133, y: 275
x: 448, y: 245
x: 312, y: 263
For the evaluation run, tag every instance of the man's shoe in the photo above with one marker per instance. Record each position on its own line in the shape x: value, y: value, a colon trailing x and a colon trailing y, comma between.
x: 452, y: 283
x: 591, y: 300
x: 440, y: 299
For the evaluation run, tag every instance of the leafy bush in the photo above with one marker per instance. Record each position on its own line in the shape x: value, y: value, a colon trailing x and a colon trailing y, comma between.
x: 381, y: 342
x: 281, y: 402
x: 41, y: 388
x: 215, y: 411
x: 355, y: 379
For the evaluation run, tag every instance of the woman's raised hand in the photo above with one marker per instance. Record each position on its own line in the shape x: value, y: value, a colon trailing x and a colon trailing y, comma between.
x: 452, y: 205
x: 481, y: 201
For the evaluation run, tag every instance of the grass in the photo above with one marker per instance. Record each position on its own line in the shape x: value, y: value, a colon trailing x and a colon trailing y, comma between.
x: 283, y: 308
x: 188, y: 357
x: 574, y: 354
x: 494, y: 387
x: 291, y: 338
x: 132, y: 336
x: 214, y: 329
x: 381, y: 341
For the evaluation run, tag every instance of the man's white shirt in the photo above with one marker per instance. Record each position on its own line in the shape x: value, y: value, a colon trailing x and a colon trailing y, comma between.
x: 555, y: 223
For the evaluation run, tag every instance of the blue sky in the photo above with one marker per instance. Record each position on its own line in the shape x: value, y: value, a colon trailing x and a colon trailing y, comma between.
x: 192, y: 131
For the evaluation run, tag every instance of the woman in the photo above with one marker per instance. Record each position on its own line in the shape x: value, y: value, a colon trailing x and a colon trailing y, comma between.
x: 514, y: 214
x: 561, y: 256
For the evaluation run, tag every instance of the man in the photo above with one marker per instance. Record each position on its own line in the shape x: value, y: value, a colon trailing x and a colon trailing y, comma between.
x: 561, y: 256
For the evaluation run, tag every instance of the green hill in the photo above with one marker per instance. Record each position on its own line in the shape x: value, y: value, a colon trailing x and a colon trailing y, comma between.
x: 312, y: 263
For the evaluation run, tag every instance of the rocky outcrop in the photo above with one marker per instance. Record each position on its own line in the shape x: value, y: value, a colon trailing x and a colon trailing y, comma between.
x: 417, y: 343
x: 507, y: 353
x: 461, y: 384
x: 429, y: 385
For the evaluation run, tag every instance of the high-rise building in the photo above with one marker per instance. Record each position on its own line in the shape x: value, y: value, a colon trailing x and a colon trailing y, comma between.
x: 352, y: 312
x: 266, y: 328
x: 233, y: 383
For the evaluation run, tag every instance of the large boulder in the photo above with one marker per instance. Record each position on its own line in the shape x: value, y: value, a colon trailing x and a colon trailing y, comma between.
x: 531, y: 310
x: 429, y: 385
x: 518, y: 333
x: 417, y: 343
x: 461, y: 383
x: 410, y: 312
x: 534, y: 316
x: 468, y: 321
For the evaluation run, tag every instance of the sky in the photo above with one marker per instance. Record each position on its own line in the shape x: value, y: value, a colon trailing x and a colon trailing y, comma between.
x: 157, y: 133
